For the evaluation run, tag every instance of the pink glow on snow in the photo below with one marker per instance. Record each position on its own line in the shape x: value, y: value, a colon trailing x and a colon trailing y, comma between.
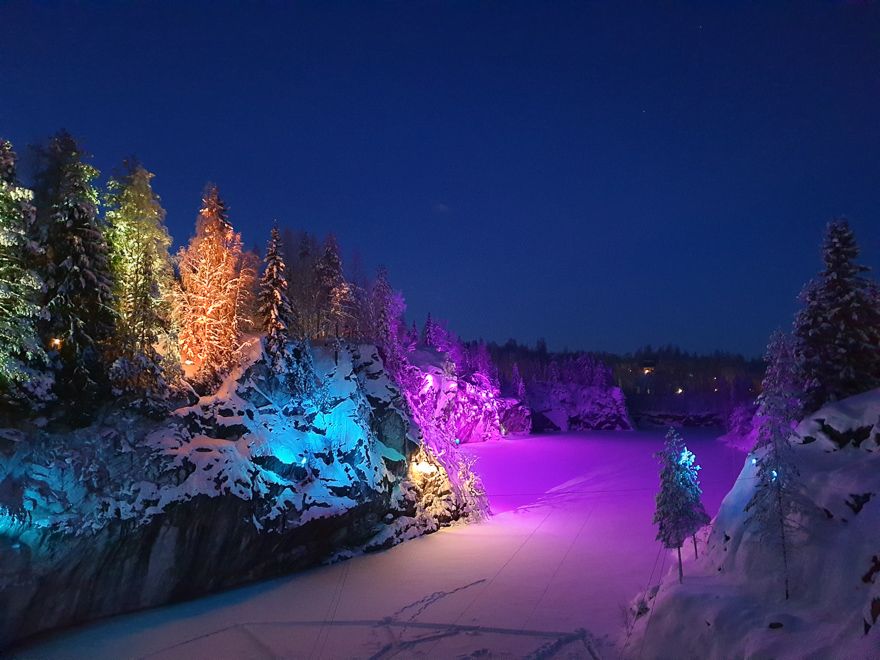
x: 571, y: 541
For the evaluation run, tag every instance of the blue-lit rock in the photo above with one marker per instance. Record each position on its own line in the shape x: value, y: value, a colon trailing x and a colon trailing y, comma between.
x: 257, y: 480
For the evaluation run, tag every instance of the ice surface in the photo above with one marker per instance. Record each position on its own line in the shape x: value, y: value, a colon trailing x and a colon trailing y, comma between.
x: 569, y: 545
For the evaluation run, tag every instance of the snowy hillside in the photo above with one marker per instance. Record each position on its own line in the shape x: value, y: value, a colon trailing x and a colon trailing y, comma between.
x: 732, y: 602
x: 258, y: 479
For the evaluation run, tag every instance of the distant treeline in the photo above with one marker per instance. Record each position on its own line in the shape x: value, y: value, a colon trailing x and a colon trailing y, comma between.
x: 666, y: 377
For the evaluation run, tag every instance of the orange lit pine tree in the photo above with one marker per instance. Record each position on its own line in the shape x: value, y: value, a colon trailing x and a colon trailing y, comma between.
x: 213, y: 294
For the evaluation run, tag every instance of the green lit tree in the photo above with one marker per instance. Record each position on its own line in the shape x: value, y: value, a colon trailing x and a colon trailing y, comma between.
x: 20, y: 286
x: 143, y: 279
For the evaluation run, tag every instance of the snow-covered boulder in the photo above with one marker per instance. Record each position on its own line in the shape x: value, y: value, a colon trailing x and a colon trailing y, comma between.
x: 256, y: 480
x: 574, y: 407
x: 515, y: 416
x: 732, y: 603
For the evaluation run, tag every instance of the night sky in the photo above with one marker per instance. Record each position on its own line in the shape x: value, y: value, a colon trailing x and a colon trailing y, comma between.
x: 604, y: 175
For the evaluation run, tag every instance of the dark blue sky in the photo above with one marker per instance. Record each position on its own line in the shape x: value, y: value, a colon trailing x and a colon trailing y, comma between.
x: 601, y: 174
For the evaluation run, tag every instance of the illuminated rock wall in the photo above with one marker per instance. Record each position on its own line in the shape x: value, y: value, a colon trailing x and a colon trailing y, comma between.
x: 254, y: 481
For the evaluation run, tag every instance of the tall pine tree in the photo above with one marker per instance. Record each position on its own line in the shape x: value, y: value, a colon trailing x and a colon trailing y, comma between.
x: 20, y: 286
x: 837, y: 332
x: 274, y: 307
x: 518, y: 384
x: 79, y: 295
x: 143, y: 280
x: 333, y: 292
x: 212, y: 293
x: 777, y: 502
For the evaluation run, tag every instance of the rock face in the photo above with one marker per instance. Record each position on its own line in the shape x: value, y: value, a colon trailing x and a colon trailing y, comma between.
x: 515, y: 417
x: 467, y: 408
x: 649, y: 419
x: 257, y: 480
x: 574, y: 407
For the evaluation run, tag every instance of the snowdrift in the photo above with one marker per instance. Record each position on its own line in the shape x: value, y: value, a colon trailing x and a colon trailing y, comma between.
x: 257, y: 480
x: 732, y: 603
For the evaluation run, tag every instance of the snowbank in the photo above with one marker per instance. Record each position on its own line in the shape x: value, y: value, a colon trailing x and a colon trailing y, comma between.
x: 732, y: 601
x: 257, y: 480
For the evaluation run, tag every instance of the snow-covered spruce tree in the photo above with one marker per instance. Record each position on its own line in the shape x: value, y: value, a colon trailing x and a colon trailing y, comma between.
x: 483, y: 365
x: 20, y: 287
x: 777, y: 502
x: 302, y: 291
x: 837, y: 332
x: 680, y: 512
x: 333, y: 292
x: 274, y: 306
x: 380, y: 302
x: 518, y: 384
x: 79, y: 292
x: 212, y: 292
x: 690, y: 473
x: 143, y: 282
x: 429, y: 333
x: 388, y: 308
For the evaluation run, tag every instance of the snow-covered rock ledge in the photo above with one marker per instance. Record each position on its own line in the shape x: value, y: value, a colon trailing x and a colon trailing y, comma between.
x: 260, y: 479
x: 576, y: 407
x: 732, y: 602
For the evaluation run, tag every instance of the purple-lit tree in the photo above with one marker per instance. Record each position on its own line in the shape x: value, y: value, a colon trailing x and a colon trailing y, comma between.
x: 777, y: 502
x: 518, y: 384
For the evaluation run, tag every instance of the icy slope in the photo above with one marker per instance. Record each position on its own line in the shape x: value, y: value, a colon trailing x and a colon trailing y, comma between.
x: 732, y: 601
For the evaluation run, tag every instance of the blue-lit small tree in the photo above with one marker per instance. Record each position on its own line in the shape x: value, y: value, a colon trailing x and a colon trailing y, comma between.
x: 680, y: 512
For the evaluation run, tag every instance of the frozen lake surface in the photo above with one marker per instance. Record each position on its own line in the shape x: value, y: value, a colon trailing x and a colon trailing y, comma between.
x: 569, y: 544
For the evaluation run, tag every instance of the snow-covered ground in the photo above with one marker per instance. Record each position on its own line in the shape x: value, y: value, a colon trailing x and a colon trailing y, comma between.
x: 548, y: 575
x: 733, y: 602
